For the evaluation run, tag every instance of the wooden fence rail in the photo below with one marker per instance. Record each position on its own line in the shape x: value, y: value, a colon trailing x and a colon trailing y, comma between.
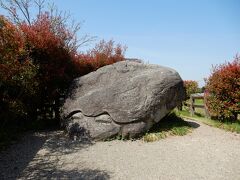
x: 192, y: 104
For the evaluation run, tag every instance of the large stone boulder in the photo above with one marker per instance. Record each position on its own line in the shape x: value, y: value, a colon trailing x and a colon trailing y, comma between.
x: 126, y: 99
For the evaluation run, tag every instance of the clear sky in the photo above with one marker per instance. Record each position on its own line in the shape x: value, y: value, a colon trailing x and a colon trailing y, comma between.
x: 187, y: 35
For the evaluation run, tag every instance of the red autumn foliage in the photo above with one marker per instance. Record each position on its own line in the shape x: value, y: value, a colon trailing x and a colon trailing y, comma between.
x: 12, y: 53
x: 104, y: 53
x: 38, y: 60
x: 58, y: 64
x: 191, y: 87
x: 16, y: 70
x: 11, y: 41
x: 47, y: 48
x: 223, y: 90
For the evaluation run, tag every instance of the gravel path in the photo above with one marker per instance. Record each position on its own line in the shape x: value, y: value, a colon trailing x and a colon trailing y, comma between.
x: 206, y: 153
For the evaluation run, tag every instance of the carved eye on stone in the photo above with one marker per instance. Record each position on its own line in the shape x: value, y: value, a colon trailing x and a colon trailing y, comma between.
x: 77, y: 116
x: 104, y: 118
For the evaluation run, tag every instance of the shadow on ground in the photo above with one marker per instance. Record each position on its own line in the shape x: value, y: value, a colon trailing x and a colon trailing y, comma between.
x: 193, y: 124
x: 82, y: 174
x: 170, y: 122
x: 15, y: 158
x: 37, y: 156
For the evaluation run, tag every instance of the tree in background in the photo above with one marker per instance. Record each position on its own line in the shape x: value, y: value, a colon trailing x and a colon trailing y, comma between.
x: 223, y: 90
x: 191, y: 87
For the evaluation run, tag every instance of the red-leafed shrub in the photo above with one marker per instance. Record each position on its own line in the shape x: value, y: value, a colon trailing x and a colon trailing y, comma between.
x: 104, y: 53
x: 47, y: 48
x: 37, y: 63
x: 191, y: 87
x: 17, y: 72
x: 223, y: 90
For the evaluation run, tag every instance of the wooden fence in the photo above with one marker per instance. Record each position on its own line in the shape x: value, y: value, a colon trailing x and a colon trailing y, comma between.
x: 192, y: 104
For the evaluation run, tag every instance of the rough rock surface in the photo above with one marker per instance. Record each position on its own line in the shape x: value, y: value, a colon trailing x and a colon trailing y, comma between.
x: 123, y: 99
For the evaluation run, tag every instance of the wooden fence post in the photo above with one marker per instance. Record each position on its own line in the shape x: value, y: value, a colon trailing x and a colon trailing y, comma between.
x: 191, y: 105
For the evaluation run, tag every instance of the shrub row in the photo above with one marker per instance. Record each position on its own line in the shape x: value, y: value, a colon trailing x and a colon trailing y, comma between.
x: 37, y: 63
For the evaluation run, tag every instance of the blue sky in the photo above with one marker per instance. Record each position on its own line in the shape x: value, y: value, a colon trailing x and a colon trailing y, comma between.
x: 187, y: 35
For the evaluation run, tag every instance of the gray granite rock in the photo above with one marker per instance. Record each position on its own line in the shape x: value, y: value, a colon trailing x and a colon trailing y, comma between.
x: 123, y: 99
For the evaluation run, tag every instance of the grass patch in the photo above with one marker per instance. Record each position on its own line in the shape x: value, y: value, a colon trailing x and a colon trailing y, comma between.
x: 171, y: 125
x: 198, y: 101
x: 226, y: 125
